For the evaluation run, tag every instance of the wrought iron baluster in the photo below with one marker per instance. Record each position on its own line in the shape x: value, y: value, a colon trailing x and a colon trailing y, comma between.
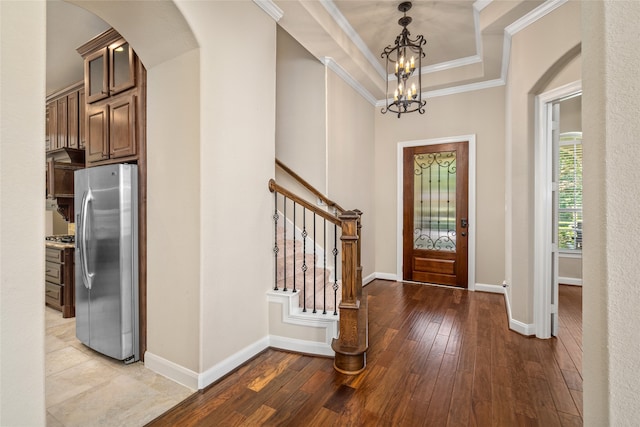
x: 294, y: 247
x: 324, y: 271
x: 304, y: 259
x: 275, y: 238
x: 314, y: 262
x: 284, y: 215
x: 335, y: 269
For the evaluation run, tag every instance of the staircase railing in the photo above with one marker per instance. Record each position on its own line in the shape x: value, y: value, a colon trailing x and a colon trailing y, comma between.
x: 297, y: 243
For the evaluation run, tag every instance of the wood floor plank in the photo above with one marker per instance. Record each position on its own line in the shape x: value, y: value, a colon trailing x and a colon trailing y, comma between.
x: 437, y: 356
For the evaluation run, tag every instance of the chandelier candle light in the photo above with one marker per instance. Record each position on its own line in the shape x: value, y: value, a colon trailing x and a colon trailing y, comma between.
x: 402, y: 56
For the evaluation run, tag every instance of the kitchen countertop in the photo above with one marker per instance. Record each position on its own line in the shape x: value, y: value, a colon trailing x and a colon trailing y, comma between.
x: 59, y: 245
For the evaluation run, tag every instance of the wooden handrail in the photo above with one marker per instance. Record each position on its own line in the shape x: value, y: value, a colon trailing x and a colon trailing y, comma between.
x: 274, y: 187
x: 310, y: 187
x: 353, y: 340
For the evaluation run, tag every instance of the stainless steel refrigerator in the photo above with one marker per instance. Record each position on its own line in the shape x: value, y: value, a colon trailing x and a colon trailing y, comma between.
x: 106, y: 260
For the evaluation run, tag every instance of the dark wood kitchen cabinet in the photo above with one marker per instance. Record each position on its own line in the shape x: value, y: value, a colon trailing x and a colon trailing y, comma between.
x: 115, y: 93
x: 64, y: 116
x: 59, y: 186
x: 59, y: 282
x: 111, y: 129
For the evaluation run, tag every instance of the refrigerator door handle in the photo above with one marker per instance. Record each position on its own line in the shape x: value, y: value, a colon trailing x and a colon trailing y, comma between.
x: 86, y: 276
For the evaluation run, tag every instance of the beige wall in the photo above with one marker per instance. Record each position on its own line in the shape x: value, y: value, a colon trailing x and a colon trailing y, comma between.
x: 536, y: 55
x: 173, y: 210
x: 237, y: 148
x: 570, y: 267
x: 611, y: 101
x: 301, y: 141
x: 481, y: 113
x: 330, y: 142
x: 350, y: 123
x: 22, y: 89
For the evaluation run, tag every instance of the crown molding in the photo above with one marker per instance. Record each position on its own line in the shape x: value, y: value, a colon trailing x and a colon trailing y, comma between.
x: 270, y: 8
x: 519, y: 25
x: 487, y: 84
x: 531, y: 17
x: 348, y: 79
x: 481, y: 4
x: 344, y: 24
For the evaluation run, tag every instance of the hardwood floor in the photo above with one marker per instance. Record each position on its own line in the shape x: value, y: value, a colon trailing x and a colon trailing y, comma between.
x: 437, y: 357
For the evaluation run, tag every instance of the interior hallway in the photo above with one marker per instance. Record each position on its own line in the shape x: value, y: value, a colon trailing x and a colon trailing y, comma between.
x: 437, y: 357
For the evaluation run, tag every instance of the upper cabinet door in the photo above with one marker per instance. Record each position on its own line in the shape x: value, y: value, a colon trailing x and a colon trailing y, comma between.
x: 121, y: 67
x: 96, y: 75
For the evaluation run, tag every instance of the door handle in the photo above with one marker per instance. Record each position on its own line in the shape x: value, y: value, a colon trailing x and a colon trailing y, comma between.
x: 464, y: 223
x: 84, y: 211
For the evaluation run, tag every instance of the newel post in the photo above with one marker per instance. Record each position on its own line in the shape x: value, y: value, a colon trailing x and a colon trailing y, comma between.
x: 352, y: 342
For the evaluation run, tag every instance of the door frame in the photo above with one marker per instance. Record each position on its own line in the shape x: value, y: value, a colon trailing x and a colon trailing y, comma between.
x: 543, y: 208
x: 471, y: 262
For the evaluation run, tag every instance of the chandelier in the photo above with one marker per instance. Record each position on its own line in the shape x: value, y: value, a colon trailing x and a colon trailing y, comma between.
x: 402, y: 57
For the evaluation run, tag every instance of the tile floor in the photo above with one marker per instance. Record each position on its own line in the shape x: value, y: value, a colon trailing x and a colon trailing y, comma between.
x: 85, y: 388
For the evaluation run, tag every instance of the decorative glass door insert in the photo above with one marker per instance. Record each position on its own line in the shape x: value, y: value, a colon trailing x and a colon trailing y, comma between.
x: 435, y: 201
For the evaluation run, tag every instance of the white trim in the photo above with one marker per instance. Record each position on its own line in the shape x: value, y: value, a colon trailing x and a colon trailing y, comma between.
x: 533, y: 16
x: 454, y: 90
x: 526, y: 329
x: 197, y: 381
x: 301, y: 346
x: 370, y: 278
x: 573, y: 281
x: 519, y: 25
x: 494, y: 289
x: 293, y: 315
x: 572, y: 254
x: 477, y: 8
x: 344, y: 24
x: 442, y: 66
x: 481, y: 4
x: 171, y: 370
x: 270, y: 8
x: 387, y: 276
x: 465, y: 88
x: 471, y: 230
x: 221, y: 369
x: 348, y: 79
x: 543, y: 205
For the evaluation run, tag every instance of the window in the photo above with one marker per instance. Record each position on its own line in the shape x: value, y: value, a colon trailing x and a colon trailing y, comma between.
x: 570, y: 192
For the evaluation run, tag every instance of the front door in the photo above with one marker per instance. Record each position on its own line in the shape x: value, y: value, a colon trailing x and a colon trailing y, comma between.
x: 435, y: 218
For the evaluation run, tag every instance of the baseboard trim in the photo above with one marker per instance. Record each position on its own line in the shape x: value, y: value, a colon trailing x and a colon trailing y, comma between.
x: 196, y: 381
x: 171, y: 370
x: 386, y: 276
x: 315, y: 348
x: 370, y: 278
x: 221, y: 369
x: 514, y: 325
x: 570, y: 281
x: 494, y: 289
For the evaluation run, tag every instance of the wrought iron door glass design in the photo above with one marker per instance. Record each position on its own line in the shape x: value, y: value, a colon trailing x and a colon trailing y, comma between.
x: 435, y: 201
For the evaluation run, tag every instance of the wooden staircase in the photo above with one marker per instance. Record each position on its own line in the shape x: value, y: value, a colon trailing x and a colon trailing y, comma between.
x: 317, y: 281
x: 293, y: 264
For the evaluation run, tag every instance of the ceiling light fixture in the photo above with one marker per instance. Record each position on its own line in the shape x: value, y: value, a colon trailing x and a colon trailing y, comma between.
x: 402, y: 57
